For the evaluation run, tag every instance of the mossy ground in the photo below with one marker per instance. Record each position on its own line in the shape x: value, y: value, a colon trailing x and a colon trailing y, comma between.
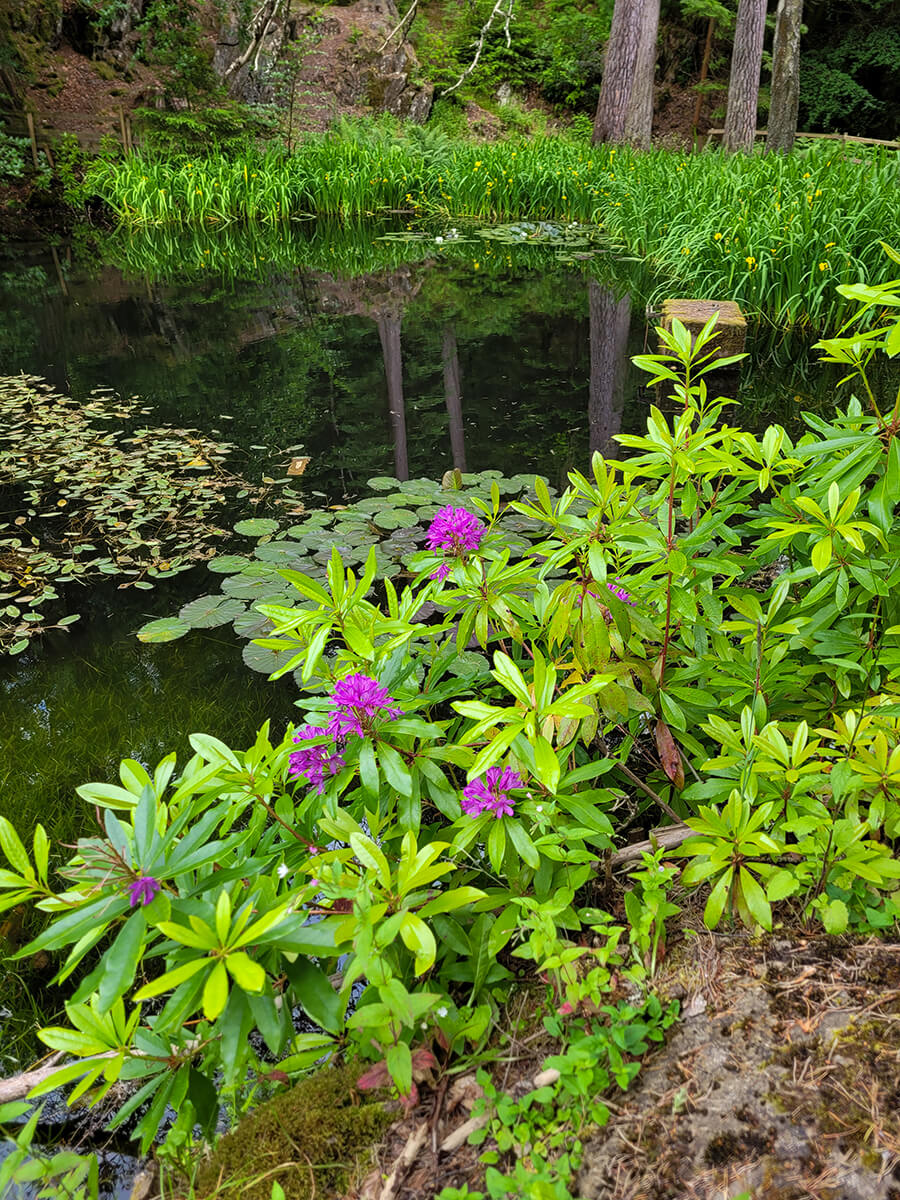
x: 312, y: 1140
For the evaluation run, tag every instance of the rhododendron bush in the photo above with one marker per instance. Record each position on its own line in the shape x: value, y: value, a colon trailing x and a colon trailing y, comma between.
x: 706, y: 637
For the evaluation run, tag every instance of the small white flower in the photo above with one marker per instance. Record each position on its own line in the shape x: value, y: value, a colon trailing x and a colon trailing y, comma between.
x: 439, y: 239
x: 540, y: 808
x: 283, y: 870
x: 442, y: 1011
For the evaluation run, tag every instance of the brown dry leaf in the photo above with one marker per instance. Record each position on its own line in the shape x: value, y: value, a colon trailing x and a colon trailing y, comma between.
x: 669, y: 754
x: 298, y: 465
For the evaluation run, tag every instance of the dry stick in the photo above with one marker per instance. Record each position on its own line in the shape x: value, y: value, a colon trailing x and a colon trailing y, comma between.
x: 479, y: 46
x: 414, y: 1144
x: 29, y: 120
x: 402, y: 28
x: 18, y: 1086
x: 669, y: 838
x: 639, y: 783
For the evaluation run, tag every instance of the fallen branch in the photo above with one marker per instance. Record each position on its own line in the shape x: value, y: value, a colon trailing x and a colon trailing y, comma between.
x: 403, y: 28
x: 17, y: 1087
x: 670, y: 837
x: 414, y: 1144
x: 479, y: 45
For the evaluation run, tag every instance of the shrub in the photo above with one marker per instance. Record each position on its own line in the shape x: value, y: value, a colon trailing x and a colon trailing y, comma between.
x: 707, y: 631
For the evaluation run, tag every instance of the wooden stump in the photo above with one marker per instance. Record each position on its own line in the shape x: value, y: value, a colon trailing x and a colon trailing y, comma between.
x: 731, y: 326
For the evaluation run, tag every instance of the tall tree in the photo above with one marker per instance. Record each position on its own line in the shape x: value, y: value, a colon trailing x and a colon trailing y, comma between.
x: 785, y: 100
x: 639, y: 117
x: 618, y: 72
x: 743, y: 84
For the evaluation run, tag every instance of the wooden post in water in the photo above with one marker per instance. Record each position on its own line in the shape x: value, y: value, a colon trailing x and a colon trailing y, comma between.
x: 730, y: 327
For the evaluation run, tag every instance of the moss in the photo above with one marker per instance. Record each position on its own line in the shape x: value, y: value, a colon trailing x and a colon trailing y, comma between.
x: 310, y: 1139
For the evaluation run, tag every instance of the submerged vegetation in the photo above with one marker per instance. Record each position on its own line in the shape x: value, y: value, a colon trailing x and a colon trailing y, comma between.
x: 705, y: 633
x: 775, y: 233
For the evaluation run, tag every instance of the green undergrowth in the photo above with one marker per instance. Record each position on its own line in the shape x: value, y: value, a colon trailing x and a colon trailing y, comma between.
x: 774, y: 233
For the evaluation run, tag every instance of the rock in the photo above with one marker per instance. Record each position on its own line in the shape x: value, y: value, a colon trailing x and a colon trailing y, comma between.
x: 731, y: 326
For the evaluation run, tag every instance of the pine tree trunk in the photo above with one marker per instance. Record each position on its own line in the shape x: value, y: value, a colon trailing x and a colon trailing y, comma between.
x: 785, y: 101
x: 618, y: 72
x: 639, y: 117
x: 743, y: 85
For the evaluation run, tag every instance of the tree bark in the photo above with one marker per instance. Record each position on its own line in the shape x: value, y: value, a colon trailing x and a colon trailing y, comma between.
x: 785, y: 100
x: 618, y: 72
x: 704, y: 70
x: 639, y: 117
x: 453, y: 397
x: 743, y: 84
x: 609, y: 323
x: 389, y: 333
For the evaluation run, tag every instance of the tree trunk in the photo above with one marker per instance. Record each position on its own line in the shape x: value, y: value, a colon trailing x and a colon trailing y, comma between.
x: 785, y: 101
x: 609, y: 323
x: 743, y: 85
x: 639, y: 117
x: 453, y: 397
x: 704, y: 70
x: 618, y: 72
x: 389, y: 332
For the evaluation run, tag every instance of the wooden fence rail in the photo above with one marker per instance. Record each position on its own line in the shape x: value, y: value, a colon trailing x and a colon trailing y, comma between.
x: 88, y: 127
x: 825, y: 137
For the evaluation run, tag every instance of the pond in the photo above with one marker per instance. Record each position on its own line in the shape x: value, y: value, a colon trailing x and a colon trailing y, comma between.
x: 408, y: 357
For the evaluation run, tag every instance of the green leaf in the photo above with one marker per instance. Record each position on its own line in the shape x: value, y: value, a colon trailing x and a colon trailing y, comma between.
x: 315, y: 993
x: 12, y: 847
x: 835, y: 916
x: 215, y: 992
x: 120, y: 961
x: 166, y: 629
x: 245, y: 971
x: 755, y: 899
x: 399, y: 1064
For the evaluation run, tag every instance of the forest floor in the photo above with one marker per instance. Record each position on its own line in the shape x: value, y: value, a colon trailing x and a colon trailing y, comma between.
x: 780, y: 1081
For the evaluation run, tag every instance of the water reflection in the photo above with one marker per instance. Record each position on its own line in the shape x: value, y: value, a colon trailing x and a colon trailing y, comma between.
x: 610, y: 321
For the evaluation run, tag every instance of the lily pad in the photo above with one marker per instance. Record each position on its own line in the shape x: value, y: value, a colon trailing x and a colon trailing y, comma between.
x: 165, y: 629
x: 284, y: 554
x: 256, y: 526
x: 227, y: 564
x: 208, y: 612
x: 383, y: 483
x: 396, y: 518
x: 264, y: 659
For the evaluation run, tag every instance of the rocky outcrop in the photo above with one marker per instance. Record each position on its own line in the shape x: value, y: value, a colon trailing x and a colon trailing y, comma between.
x: 344, y: 62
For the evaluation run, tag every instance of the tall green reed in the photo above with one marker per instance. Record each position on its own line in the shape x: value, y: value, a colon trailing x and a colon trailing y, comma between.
x: 774, y: 233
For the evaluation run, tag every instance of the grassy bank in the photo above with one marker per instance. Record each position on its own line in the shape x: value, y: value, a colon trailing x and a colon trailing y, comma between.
x: 774, y: 233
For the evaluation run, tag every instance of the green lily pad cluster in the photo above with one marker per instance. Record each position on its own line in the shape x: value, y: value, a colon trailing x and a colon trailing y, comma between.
x: 394, y: 520
x: 91, y: 490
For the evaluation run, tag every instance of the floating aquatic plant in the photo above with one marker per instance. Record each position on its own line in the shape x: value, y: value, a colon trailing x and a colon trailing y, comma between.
x: 92, y: 490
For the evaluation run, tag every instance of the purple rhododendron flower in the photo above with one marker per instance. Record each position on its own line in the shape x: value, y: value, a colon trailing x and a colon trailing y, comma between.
x: 456, y: 531
x: 142, y: 890
x: 617, y: 590
x: 491, y: 794
x: 358, y: 701
x: 312, y: 762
